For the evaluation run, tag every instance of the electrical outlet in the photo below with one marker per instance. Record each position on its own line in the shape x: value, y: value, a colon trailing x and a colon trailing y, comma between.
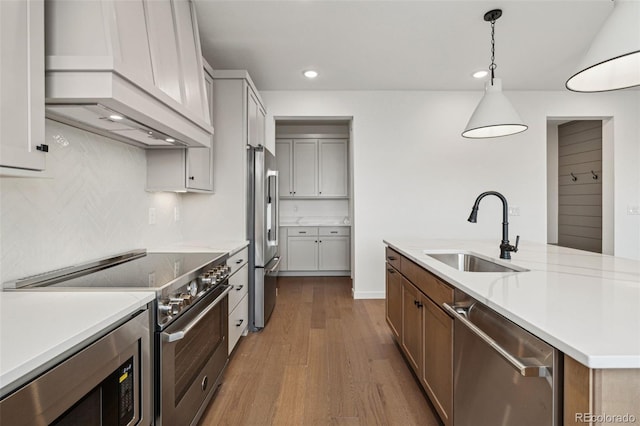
x: 176, y: 214
x: 514, y: 211
x: 176, y: 269
x: 633, y: 209
x: 295, y: 208
x: 152, y: 279
x: 152, y: 216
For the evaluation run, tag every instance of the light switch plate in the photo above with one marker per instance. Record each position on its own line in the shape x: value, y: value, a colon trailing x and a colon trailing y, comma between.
x: 152, y: 216
x: 176, y: 214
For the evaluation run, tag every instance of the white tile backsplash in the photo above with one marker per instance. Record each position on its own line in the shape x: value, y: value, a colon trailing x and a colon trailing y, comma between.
x: 316, y: 208
x: 93, y: 205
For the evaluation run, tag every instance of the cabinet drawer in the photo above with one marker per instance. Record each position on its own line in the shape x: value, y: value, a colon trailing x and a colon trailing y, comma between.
x: 334, y: 231
x: 435, y: 289
x: 393, y: 257
x: 236, y: 261
x: 302, y: 231
x: 238, y: 321
x: 240, y: 283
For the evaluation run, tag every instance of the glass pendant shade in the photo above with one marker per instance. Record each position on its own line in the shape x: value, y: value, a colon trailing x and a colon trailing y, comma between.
x: 613, y: 60
x: 494, y: 116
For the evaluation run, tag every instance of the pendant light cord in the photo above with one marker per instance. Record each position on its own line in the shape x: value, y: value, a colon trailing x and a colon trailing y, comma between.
x: 493, y: 65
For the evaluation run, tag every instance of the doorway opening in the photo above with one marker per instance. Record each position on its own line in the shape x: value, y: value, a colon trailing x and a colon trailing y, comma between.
x: 580, y: 183
x: 315, y: 162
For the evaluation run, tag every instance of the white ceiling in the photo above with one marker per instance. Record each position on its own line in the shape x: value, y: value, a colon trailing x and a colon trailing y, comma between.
x: 398, y: 45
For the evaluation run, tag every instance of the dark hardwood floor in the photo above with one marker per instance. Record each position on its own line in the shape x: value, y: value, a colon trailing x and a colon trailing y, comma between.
x: 323, y: 359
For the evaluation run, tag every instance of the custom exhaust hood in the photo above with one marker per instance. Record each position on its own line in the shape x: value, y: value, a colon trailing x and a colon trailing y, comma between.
x: 131, y: 71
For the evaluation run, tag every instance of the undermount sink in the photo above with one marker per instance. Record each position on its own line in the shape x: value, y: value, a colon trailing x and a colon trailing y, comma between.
x: 468, y: 262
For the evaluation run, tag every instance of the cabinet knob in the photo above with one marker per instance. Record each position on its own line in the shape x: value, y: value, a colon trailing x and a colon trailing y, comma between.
x: 239, y: 287
x: 391, y: 270
x: 43, y: 148
x: 239, y: 323
x: 192, y: 178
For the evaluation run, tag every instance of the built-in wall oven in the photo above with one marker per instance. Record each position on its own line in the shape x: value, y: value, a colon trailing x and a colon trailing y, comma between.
x: 107, y: 383
x: 190, y: 320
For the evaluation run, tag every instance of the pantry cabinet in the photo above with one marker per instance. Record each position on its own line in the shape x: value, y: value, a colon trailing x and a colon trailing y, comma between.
x: 313, y: 168
x: 312, y: 249
x: 22, y: 137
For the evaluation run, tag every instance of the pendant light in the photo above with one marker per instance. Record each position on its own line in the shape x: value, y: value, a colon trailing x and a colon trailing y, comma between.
x: 494, y: 116
x: 613, y: 60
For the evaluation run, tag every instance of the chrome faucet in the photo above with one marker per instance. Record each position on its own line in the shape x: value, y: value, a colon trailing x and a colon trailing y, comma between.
x: 505, y: 247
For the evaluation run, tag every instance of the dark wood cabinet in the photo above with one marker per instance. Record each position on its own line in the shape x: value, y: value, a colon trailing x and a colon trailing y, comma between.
x: 394, y: 301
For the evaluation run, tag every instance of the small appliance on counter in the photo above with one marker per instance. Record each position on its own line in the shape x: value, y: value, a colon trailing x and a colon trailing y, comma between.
x: 189, y: 319
x: 262, y: 231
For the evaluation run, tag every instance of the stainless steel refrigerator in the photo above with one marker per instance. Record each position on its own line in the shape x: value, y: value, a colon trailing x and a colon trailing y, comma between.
x: 262, y: 232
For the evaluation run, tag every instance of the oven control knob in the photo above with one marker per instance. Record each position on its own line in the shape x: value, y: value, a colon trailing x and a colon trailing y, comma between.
x: 169, y: 309
x: 185, y: 299
x: 205, y: 279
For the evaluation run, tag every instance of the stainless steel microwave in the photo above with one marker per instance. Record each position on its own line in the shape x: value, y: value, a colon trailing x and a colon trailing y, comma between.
x: 107, y: 383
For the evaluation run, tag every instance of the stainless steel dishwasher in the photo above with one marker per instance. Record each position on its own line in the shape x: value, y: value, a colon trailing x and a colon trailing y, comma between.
x: 503, y: 375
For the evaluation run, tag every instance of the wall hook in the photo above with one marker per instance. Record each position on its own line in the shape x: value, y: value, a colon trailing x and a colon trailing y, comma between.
x: 595, y: 176
x: 573, y: 177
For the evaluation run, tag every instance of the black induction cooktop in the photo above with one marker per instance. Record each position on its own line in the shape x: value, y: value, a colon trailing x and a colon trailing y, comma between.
x: 132, y: 270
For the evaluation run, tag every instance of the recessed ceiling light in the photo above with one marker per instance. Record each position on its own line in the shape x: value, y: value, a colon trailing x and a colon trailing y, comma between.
x: 170, y: 140
x: 116, y: 117
x: 310, y: 74
x: 480, y: 74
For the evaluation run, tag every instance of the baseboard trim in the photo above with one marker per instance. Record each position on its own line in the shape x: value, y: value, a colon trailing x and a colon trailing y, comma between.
x: 368, y: 294
x: 314, y: 273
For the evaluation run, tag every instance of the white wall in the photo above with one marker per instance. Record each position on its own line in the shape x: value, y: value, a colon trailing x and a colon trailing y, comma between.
x: 415, y: 176
x: 93, y: 205
x: 315, y: 208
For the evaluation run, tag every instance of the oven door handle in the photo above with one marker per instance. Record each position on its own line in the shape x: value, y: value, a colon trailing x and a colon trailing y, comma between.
x: 178, y: 335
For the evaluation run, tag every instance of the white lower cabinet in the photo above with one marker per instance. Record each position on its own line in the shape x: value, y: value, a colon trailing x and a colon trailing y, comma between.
x: 302, y: 253
x: 318, y: 249
x: 238, y: 301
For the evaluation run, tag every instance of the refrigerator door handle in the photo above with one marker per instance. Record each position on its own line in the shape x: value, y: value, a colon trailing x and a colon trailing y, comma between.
x: 275, y: 215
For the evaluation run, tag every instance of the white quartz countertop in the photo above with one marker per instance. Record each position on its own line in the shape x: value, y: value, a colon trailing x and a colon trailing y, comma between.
x: 585, y: 304
x: 39, y: 329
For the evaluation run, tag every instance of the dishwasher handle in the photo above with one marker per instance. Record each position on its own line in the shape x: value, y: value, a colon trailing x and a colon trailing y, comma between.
x: 534, y: 369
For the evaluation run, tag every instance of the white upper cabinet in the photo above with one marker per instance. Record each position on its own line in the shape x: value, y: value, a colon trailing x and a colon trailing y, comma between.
x: 284, y: 160
x: 313, y: 168
x: 22, y: 84
x: 332, y: 161
x: 305, y: 168
x: 255, y: 119
x: 140, y: 59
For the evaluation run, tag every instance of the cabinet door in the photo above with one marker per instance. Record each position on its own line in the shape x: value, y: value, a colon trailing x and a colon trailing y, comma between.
x: 22, y: 84
x: 333, y: 176
x: 302, y: 253
x: 333, y: 254
x: 284, y: 159
x: 260, y: 126
x: 437, y: 375
x: 393, y: 306
x: 305, y: 167
x: 199, y: 172
x: 165, y: 59
x: 252, y: 118
x: 412, y: 325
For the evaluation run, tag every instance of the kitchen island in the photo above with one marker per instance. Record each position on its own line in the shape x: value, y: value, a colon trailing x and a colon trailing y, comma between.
x: 586, y: 305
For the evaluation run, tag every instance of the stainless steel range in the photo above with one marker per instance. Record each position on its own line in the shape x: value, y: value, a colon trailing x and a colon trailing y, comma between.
x: 191, y: 312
